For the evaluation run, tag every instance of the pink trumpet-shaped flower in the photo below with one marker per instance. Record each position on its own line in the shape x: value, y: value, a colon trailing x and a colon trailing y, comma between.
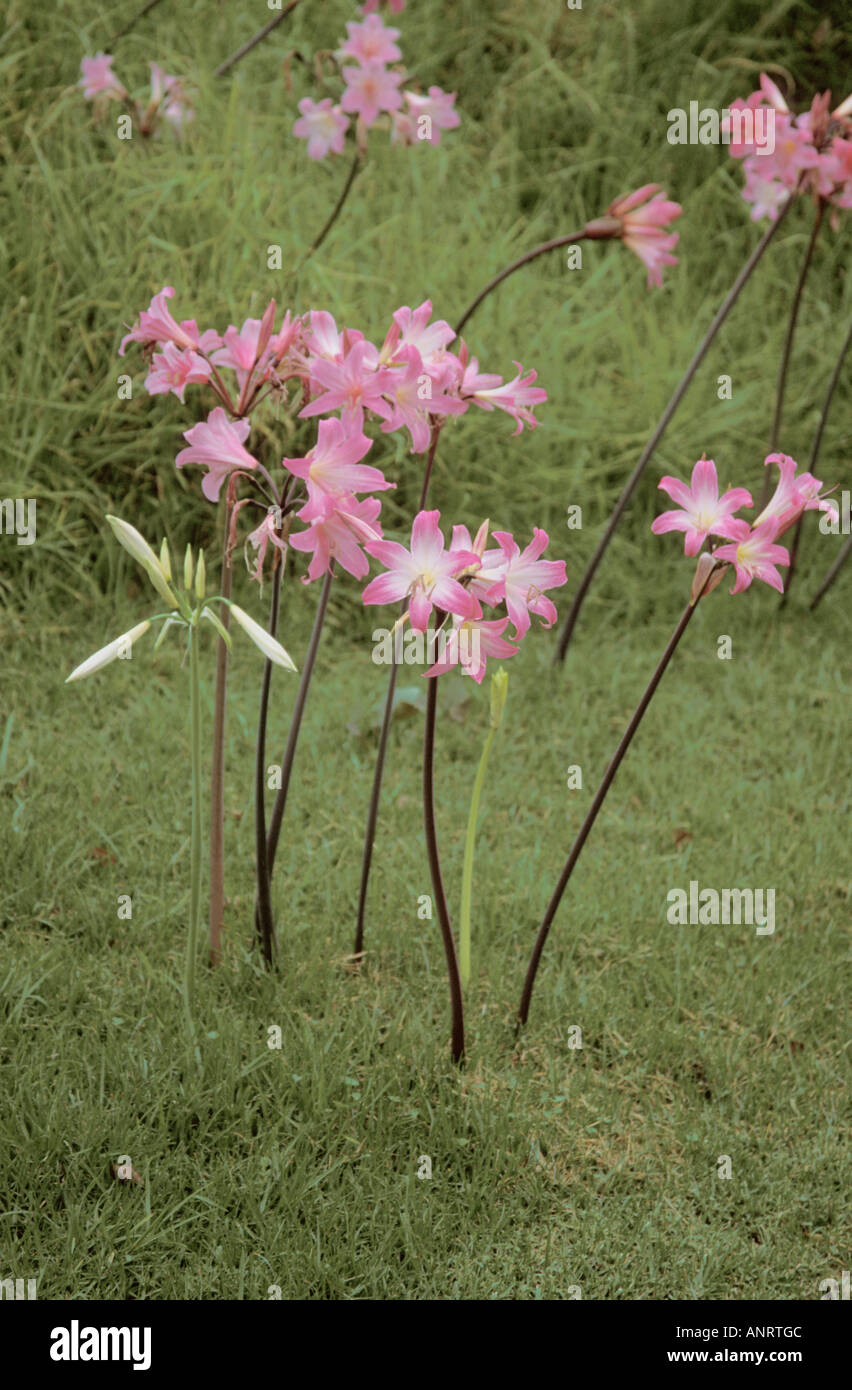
x: 98, y: 77
x: 415, y: 397
x: 261, y: 538
x: 340, y: 526
x: 351, y: 386
x: 793, y: 494
x: 425, y: 574
x: 519, y: 578
x: 217, y: 444
x: 432, y: 113
x: 703, y: 512
x: 371, y: 89
x: 174, y: 369
x: 643, y: 227
x: 156, y: 325
x: 411, y: 328
x: 517, y: 397
x: 371, y: 42
x: 469, y: 645
x: 754, y: 554
x: 323, y: 125
x: 333, y: 465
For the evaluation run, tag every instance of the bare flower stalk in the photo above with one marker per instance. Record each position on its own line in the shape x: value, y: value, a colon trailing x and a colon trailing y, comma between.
x: 600, y: 796
x: 533, y: 255
x: 662, y: 425
x: 217, y: 774
x: 456, y: 1002
x: 254, y: 41
x: 263, y: 910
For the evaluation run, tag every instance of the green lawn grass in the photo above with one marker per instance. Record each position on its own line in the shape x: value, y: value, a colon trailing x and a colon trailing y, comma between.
x: 554, y: 1168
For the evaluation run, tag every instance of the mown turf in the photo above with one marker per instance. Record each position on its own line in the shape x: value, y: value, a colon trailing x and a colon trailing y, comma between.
x: 554, y: 1168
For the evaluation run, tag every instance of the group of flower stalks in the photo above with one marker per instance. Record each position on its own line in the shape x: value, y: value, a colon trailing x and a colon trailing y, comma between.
x: 324, y: 505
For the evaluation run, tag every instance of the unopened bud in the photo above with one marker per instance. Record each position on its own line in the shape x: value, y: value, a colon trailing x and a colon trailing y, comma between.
x: 187, y: 569
x: 708, y: 573
x: 200, y: 576
x: 499, y: 691
x: 165, y: 559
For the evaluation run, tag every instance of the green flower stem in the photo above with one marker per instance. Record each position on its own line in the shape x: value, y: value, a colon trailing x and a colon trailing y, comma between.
x: 467, y: 871
x: 195, y: 850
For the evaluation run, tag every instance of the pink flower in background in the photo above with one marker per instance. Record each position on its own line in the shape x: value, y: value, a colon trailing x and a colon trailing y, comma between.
x: 174, y: 369
x: 703, y: 511
x: 340, y: 526
x: 519, y: 578
x: 261, y: 538
x: 754, y: 554
x: 322, y: 125
x: 98, y: 77
x: 414, y: 397
x: 425, y: 574
x: 217, y: 444
x: 766, y: 195
x: 644, y: 227
x: 411, y: 328
x: 167, y: 92
x: 371, y: 42
x: 432, y: 113
x: 517, y: 397
x: 371, y: 89
x: 469, y: 644
x: 395, y: 6
x: 352, y: 386
x: 156, y: 325
x: 333, y: 465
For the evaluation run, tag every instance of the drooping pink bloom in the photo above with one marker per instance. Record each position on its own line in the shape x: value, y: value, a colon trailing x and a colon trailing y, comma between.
x: 371, y: 42
x: 469, y: 644
x: 793, y: 494
x: 156, y: 325
x: 371, y: 89
x: 425, y: 574
x: 754, y: 554
x: 167, y: 93
x: 261, y: 538
x: 217, y: 444
x: 333, y: 466
x: 766, y: 195
x: 98, y: 77
x: 643, y: 227
x: 432, y: 113
x: 174, y: 369
x: 341, y: 525
x: 519, y: 578
x: 415, y: 397
x: 703, y: 512
x: 323, y: 125
x: 517, y: 397
x: 352, y: 386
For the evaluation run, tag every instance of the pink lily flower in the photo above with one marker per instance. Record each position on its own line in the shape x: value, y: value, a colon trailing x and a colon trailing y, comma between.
x: 469, y: 645
x: 167, y: 93
x: 517, y: 397
x: 352, y: 386
x: 411, y: 328
x: 261, y: 538
x: 414, y: 398
x: 156, y: 325
x: 217, y: 444
x: 433, y: 113
x: 341, y: 525
x: 98, y: 77
x: 333, y: 466
x: 519, y: 578
x: 371, y: 42
x: 703, y: 512
x: 643, y: 228
x: 369, y: 90
x: 425, y: 574
x: 323, y: 125
x: 174, y: 369
x: 754, y: 554
x: 395, y: 6
x: 793, y: 494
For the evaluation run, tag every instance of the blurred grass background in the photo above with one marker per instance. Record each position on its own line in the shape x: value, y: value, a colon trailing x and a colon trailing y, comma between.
x: 553, y: 1168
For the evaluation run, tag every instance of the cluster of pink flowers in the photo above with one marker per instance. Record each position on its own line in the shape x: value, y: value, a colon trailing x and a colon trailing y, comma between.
x: 373, y: 88
x: 753, y: 551
x: 167, y: 101
x: 812, y: 152
x: 413, y: 382
x: 459, y: 580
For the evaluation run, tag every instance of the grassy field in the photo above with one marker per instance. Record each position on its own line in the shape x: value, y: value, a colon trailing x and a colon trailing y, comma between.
x: 554, y: 1168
